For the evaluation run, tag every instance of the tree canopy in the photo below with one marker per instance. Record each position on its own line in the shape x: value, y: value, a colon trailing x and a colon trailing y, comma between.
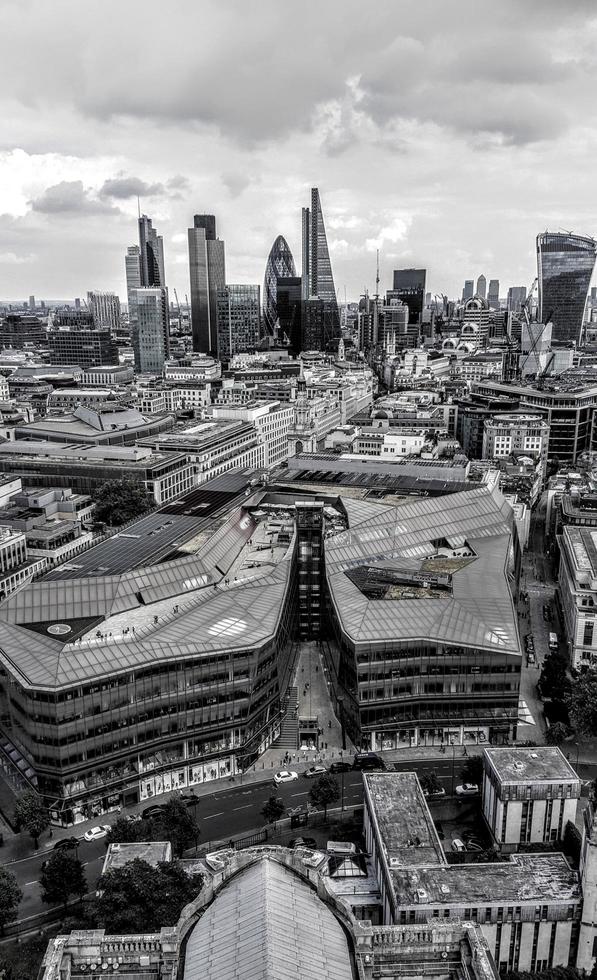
x: 581, y: 700
x: 141, y: 898
x: 119, y: 501
x: 62, y: 875
x: 472, y: 770
x: 556, y: 733
x: 430, y: 782
x: 32, y: 815
x: 324, y: 791
x: 10, y: 897
x: 272, y: 809
x: 175, y: 823
x: 554, y: 681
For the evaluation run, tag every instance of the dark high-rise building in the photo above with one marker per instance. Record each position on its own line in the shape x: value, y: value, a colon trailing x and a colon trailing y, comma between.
x: 516, y: 297
x: 318, y: 279
x: 280, y: 266
x: 565, y: 264
x: 409, y: 286
x: 151, y: 254
x: 73, y: 339
x: 310, y: 561
x: 289, y: 311
x: 207, y: 269
x: 469, y: 289
x: 320, y: 324
x: 493, y: 294
x: 239, y: 320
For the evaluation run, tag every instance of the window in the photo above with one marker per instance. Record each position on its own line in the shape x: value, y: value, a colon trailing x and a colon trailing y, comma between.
x: 588, y: 634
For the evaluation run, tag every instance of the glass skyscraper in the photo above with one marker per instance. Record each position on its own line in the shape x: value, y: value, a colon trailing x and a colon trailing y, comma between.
x: 207, y: 269
x: 318, y: 279
x: 409, y: 286
x: 239, y: 320
x: 565, y: 264
x: 280, y: 265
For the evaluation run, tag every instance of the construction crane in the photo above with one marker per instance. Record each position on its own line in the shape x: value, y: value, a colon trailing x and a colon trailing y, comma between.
x: 178, y: 307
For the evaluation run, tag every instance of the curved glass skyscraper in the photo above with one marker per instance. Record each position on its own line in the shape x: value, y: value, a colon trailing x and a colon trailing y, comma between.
x: 565, y: 265
x: 280, y: 265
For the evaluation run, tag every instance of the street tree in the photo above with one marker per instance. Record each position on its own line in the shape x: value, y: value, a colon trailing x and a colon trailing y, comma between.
x: 430, y: 783
x: 556, y: 733
x: 32, y: 815
x: 62, y: 875
x: 141, y: 898
x: 177, y: 824
x: 554, y: 681
x: 125, y: 831
x: 120, y: 501
x: 581, y: 701
x: 10, y: 897
x: 273, y: 809
x: 324, y: 792
x: 472, y: 770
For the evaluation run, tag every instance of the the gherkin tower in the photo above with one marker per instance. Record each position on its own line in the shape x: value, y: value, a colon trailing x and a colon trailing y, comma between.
x: 280, y: 265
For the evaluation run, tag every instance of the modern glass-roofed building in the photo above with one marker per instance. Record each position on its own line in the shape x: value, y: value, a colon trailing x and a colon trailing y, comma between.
x: 565, y: 264
x: 426, y: 643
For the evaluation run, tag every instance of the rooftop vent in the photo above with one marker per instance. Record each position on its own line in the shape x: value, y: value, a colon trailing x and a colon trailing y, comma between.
x: 534, y: 755
x: 422, y: 895
x: 445, y: 889
x: 518, y: 766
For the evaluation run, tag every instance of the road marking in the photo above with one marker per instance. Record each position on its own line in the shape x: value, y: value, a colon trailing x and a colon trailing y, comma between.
x: 246, y: 806
x: 299, y: 794
x: 210, y: 816
x: 36, y: 882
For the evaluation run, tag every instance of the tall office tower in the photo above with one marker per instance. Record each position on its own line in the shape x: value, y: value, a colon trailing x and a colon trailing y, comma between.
x: 238, y: 319
x: 32, y: 303
x: 469, y: 290
x: 311, y: 568
x: 289, y: 310
x: 105, y: 309
x: 280, y: 265
x: 516, y: 297
x: 152, y: 254
x: 482, y: 286
x: 150, y: 328
x: 207, y: 270
x: 409, y: 286
x: 132, y: 265
x: 565, y: 264
x: 493, y: 294
x: 318, y: 279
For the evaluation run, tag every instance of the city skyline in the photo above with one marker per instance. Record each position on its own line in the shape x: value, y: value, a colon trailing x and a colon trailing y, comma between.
x: 359, y: 124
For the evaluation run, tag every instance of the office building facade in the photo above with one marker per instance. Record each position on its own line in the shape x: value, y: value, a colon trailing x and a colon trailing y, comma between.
x: 493, y: 294
x: 151, y: 251
x: 469, y: 289
x: 207, y: 271
x: 150, y: 328
x: 73, y: 339
x: 482, y: 286
x: 289, y: 312
x: 105, y: 309
x: 409, y: 286
x: 279, y: 267
x: 317, y: 276
x: 132, y: 266
x: 238, y: 312
x: 565, y: 264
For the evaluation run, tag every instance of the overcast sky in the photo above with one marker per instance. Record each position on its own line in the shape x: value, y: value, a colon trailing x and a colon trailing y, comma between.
x: 446, y: 133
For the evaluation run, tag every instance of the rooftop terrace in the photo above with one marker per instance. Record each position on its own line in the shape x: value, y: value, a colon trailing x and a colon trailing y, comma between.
x: 523, y: 765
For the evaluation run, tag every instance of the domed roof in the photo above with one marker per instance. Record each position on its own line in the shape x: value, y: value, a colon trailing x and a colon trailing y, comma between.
x: 280, y: 265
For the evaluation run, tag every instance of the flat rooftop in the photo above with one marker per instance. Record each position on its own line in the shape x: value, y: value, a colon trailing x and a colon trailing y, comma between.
x: 540, y: 878
x: 545, y: 763
x: 405, y: 827
x: 152, y: 852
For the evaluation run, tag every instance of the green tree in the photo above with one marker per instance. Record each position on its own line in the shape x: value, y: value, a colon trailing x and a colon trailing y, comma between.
x: 273, y: 809
x: 119, y: 501
x: 472, y: 770
x: 177, y: 824
x: 141, y: 898
x: 556, y: 733
x: 32, y: 815
x: 324, y: 791
x: 10, y: 896
x: 430, y: 783
x: 62, y: 875
x: 125, y: 831
x: 581, y: 701
x: 22, y: 960
x: 554, y: 681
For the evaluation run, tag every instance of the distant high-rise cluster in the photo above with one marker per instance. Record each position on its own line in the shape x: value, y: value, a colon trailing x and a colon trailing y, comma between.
x: 147, y: 297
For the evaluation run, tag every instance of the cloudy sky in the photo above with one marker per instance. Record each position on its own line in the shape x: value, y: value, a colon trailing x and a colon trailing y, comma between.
x: 446, y: 133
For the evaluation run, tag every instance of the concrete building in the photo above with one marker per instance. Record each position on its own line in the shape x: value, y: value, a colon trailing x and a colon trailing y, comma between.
x: 215, y: 446
x: 105, y: 309
x: 530, y: 908
x: 577, y: 582
x: 529, y: 795
x: 108, y: 375
x: 73, y: 339
x: 390, y: 444
x: 17, y: 568
x: 112, y: 424
x: 272, y: 421
x: 519, y: 434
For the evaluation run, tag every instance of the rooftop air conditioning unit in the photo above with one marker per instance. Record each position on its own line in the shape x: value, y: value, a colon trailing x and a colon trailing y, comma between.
x: 422, y: 895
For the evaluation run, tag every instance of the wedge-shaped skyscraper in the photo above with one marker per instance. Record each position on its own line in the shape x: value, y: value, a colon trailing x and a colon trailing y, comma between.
x: 280, y: 265
x: 565, y: 264
x: 318, y: 280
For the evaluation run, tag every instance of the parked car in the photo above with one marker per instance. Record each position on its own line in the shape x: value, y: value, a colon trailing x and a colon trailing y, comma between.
x: 368, y: 760
x: 302, y: 842
x: 531, y: 658
x: 66, y: 844
x: 340, y: 767
x: 315, y: 771
x: 189, y: 800
x: 547, y: 614
x: 458, y: 846
x: 434, y: 794
x: 96, y: 833
x: 284, y: 776
x: 152, y: 811
x: 472, y: 845
x: 467, y: 789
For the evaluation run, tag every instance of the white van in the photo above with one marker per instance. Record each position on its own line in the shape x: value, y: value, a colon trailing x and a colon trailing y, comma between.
x: 553, y: 641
